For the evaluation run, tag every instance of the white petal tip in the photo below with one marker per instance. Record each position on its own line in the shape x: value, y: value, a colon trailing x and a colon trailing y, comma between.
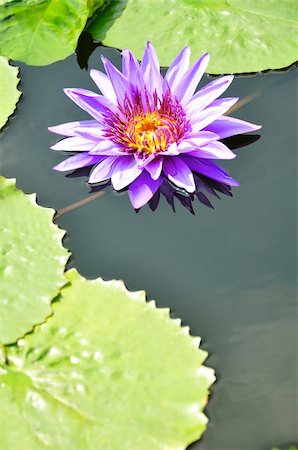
x: 227, y: 79
x: 69, y: 92
x: 137, y: 205
x: 54, y: 147
x: 59, y: 167
x: 191, y: 190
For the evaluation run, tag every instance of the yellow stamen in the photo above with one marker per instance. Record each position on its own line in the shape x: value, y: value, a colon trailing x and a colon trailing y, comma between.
x: 147, y: 133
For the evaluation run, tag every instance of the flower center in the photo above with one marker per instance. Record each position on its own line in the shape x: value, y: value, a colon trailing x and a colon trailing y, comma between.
x: 149, y: 133
x: 146, y: 128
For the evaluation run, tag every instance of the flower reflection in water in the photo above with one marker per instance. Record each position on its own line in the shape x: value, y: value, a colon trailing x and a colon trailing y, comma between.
x: 206, y: 188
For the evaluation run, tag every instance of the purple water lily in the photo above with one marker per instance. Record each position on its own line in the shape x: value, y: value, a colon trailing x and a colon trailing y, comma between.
x: 148, y: 129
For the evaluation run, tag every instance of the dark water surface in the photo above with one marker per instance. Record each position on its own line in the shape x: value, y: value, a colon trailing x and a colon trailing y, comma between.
x: 229, y: 273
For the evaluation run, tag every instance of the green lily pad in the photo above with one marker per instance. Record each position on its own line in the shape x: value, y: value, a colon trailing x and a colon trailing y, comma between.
x: 9, y: 94
x: 100, y: 23
x: 241, y: 36
x: 32, y: 262
x: 94, y: 5
x: 40, y: 32
x: 107, y: 371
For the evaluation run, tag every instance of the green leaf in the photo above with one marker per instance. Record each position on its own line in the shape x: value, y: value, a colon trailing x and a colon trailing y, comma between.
x: 101, y: 22
x: 241, y: 36
x: 32, y: 262
x: 40, y: 32
x: 9, y: 94
x: 94, y: 5
x: 107, y: 371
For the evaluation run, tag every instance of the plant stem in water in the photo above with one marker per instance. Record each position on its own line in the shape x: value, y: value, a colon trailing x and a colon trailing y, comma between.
x: 78, y: 204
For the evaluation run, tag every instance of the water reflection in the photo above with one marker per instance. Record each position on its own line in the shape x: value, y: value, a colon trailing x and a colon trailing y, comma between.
x: 85, y: 48
x: 205, y: 186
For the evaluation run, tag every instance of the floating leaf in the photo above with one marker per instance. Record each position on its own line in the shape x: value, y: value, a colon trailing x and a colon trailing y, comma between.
x: 101, y: 22
x: 40, y: 32
x: 32, y: 261
x: 240, y: 36
x: 9, y: 94
x: 94, y: 5
x: 107, y: 371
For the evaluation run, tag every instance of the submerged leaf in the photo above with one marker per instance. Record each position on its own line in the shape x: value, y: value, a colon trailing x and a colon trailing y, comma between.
x: 40, y: 32
x: 9, y: 94
x: 240, y: 36
x: 32, y: 261
x: 107, y: 371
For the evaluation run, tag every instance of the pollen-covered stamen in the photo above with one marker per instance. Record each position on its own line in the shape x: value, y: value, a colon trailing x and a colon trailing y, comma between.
x: 144, y: 130
x: 148, y: 133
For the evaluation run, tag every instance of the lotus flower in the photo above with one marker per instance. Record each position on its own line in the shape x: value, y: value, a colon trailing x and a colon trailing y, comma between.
x: 148, y: 129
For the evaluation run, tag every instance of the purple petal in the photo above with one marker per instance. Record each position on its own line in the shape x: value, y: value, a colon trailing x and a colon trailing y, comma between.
x: 103, y: 171
x: 74, y: 144
x: 132, y: 69
x: 207, y: 94
x: 177, y: 69
x: 104, y: 84
x: 172, y: 150
x: 229, y: 126
x: 94, y: 133
x: 191, y: 79
x: 143, y: 160
x: 69, y: 129
x: 210, y: 169
x: 120, y: 83
x: 78, y: 161
x: 155, y: 167
x: 213, y: 150
x: 142, y: 189
x: 125, y: 171
x: 203, y: 118
x: 108, y: 148
x: 196, y: 139
x: 94, y: 104
x: 151, y: 70
x: 226, y: 102
x: 179, y: 173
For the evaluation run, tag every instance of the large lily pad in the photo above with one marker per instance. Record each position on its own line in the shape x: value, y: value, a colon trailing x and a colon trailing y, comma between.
x: 107, y: 371
x: 241, y: 36
x: 95, y: 5
x: 40, y: 32
x: 101, y: 22
x: 32, y: 261
x: 9, y: 94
